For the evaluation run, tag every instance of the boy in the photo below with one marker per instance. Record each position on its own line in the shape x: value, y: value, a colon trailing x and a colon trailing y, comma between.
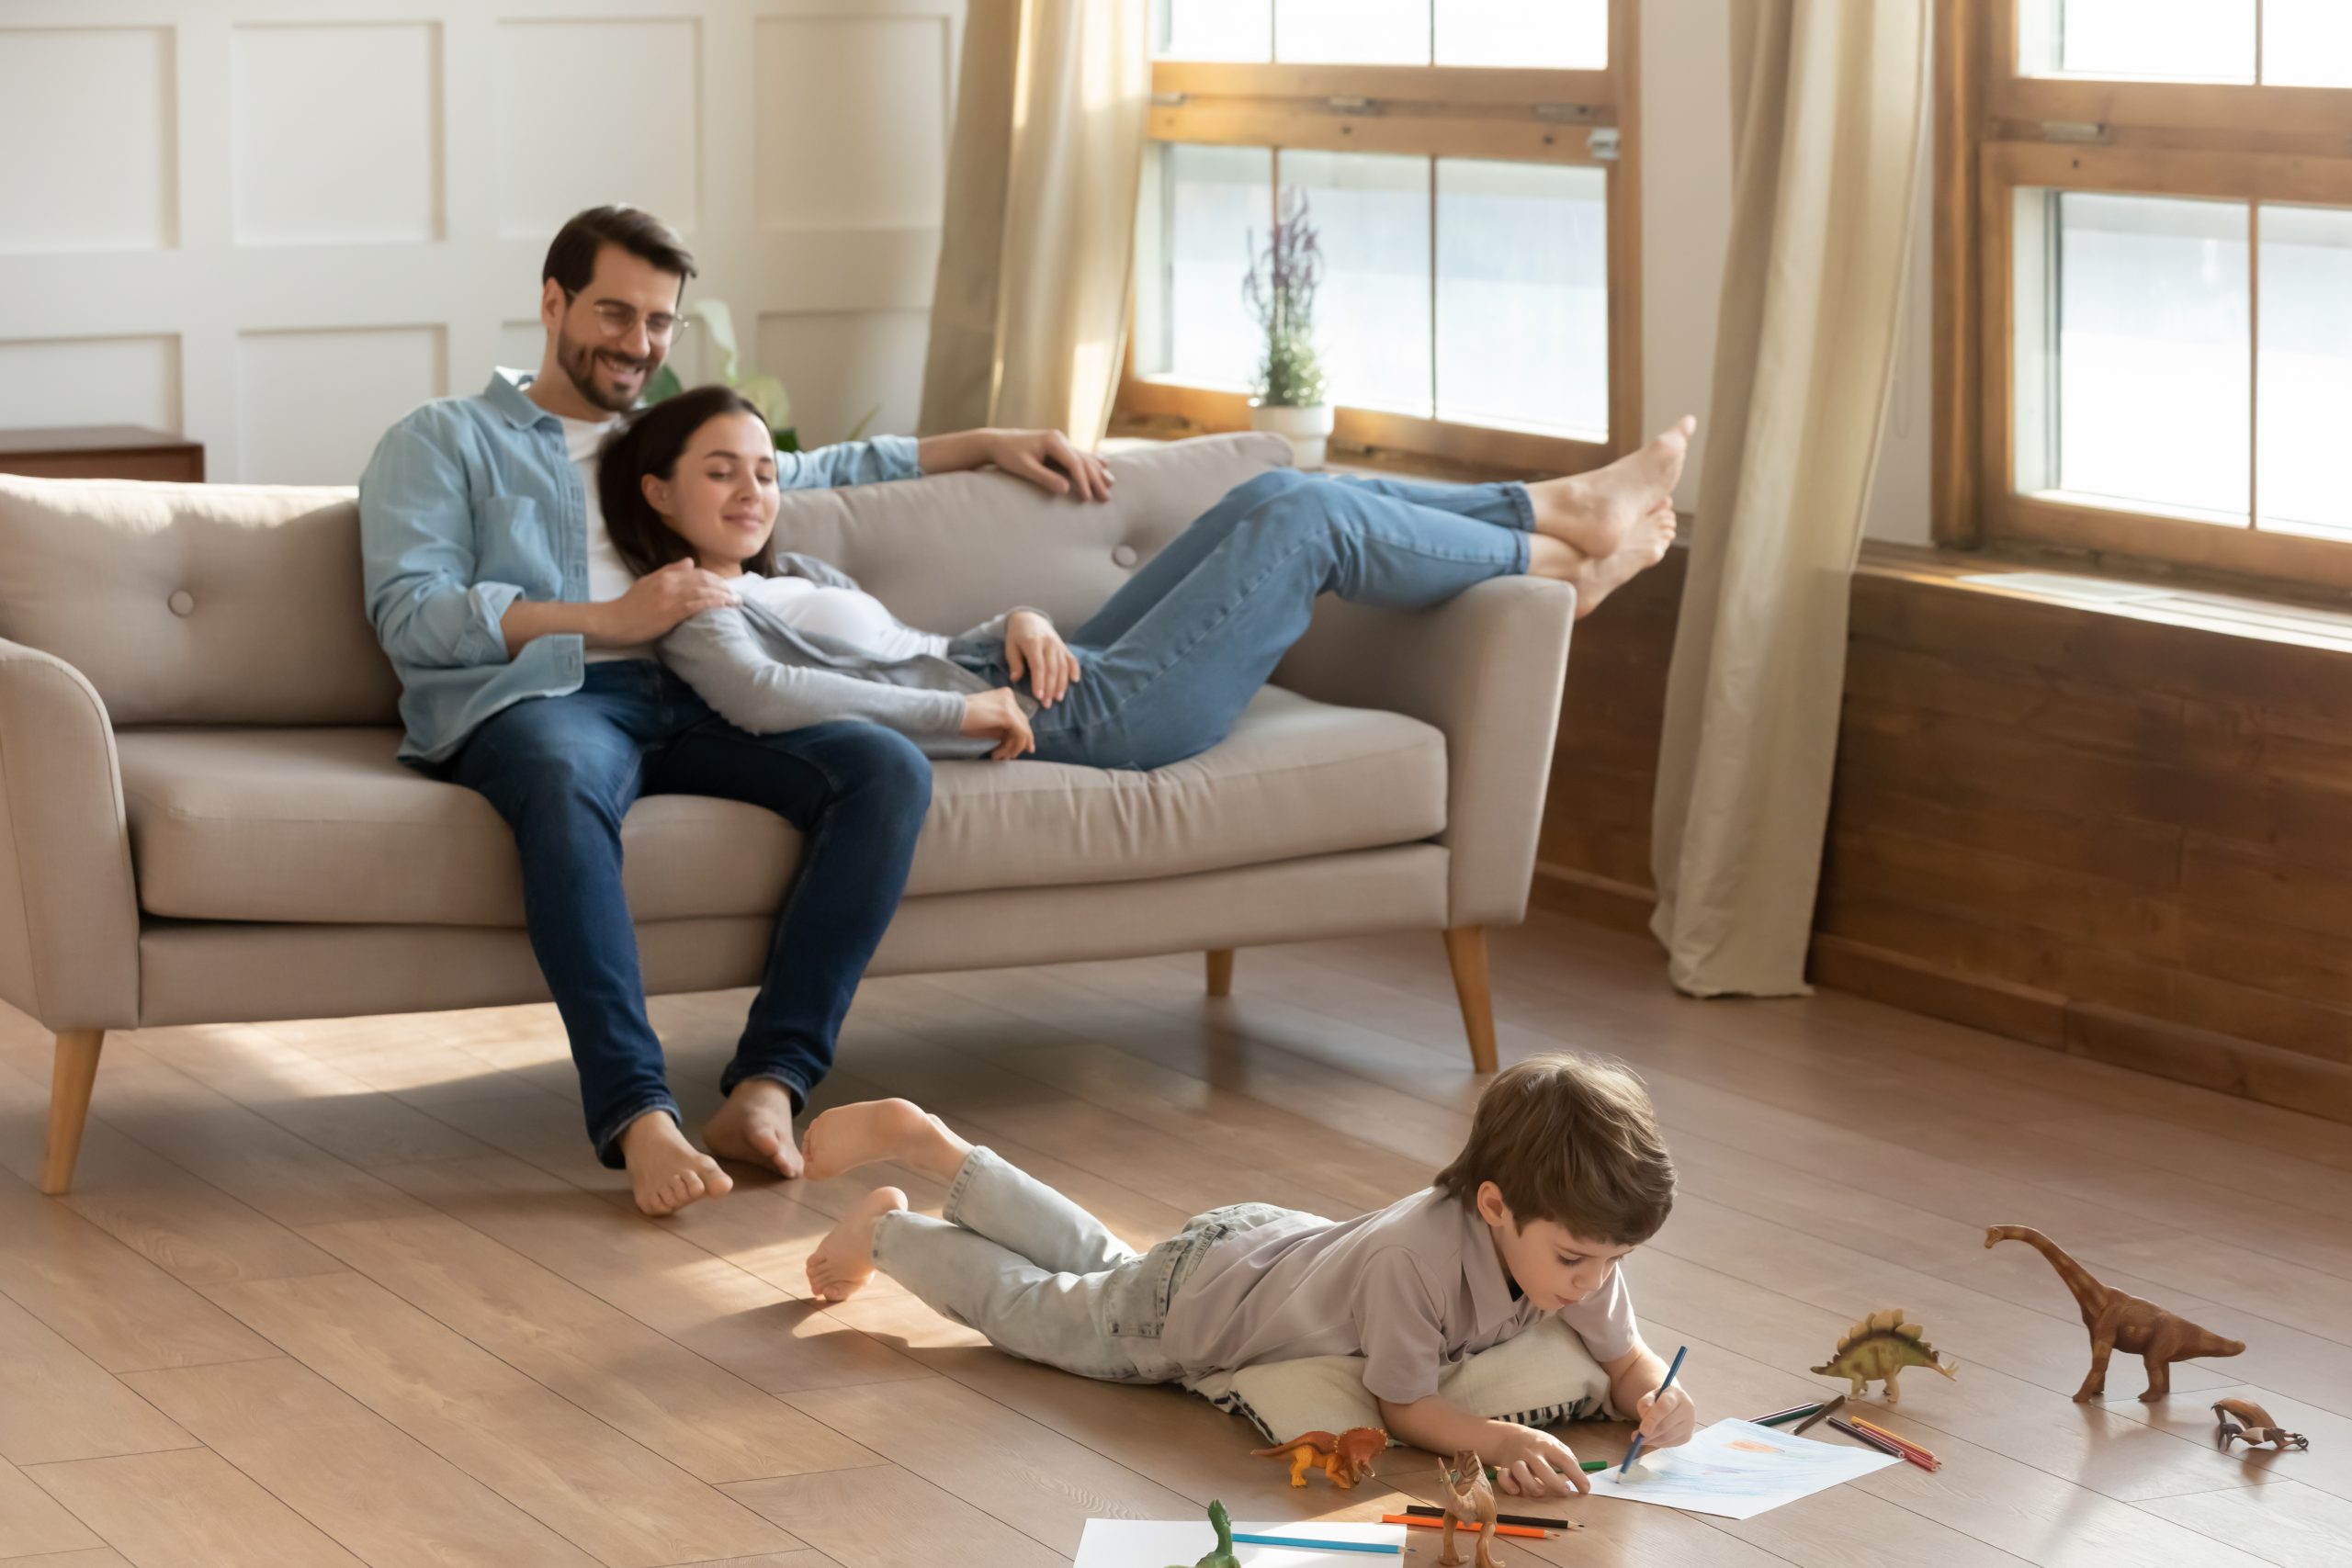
x: 1564, y: 1174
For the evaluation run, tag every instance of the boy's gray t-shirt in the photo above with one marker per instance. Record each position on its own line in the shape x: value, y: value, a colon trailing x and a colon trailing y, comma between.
x: 1410, y: 1289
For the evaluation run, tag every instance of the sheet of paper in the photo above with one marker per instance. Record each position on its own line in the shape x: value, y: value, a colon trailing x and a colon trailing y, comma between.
x: 1740, y: 1470
x: 1163, y: 1543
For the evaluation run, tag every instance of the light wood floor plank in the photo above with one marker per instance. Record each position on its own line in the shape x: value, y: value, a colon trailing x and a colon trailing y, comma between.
x: 32, y: 1522
x: 882, y: 1517
x: 316, y: 1102
x: 56, y: 1404
x: 96, y: 1557
x: 380, y: 1492
x: 707, y: 1420
x: 622, y: 1503
x: 2286, y: 1523
x: 188, y: 1509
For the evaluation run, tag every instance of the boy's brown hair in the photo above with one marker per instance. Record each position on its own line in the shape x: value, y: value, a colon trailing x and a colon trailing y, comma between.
x: 1571, y: 1139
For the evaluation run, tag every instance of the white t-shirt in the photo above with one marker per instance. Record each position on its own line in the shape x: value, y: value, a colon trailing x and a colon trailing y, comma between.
x: 608, y: 575
x: 846, y: 617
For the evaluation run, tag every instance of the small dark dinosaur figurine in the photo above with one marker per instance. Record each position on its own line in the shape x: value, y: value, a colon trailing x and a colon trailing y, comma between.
x: 2121, y: 1321
x: 2243, y: 1418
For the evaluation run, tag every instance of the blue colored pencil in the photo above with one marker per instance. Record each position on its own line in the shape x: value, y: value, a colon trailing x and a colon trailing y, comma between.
x: 1636, y: 1452
x: 1240, y: 1539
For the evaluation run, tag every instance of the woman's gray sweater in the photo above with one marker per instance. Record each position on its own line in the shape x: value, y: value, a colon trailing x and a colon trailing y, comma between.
x: 760, y: 673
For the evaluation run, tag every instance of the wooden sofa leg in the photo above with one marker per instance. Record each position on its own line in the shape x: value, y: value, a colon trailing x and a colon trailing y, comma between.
x: 1466, y: 949
x: 69, y: 1105
x: 1221, y: 972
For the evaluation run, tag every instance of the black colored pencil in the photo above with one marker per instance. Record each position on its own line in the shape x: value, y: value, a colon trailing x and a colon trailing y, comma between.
x: 1871, y: 1438
x: 1423, y: 1511
x: 1791, y: 1414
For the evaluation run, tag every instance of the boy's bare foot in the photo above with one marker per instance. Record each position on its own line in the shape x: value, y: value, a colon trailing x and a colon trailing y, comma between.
x: 755, y: 1126
x: 843, y: 1261
x: 1597, y: 579
x: 1601, y: 512
x: 849, y: 1135
x: 667, y: 1172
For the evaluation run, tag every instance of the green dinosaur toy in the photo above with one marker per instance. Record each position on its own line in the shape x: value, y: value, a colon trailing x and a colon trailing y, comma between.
x: 1878, y: 1347
x: 1222, y: 1522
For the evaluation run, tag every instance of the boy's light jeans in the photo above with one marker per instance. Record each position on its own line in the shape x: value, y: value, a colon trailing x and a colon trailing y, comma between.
x: 1043, y: 1278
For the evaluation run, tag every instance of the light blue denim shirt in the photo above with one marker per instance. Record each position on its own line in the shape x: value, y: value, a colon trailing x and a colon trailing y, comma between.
x: 471, y: 503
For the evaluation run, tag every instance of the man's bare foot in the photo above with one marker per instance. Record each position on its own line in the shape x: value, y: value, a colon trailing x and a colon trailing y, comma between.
x: 849, y: 1135
x: 1601, y: 512
x: 667, y: 1172
x: 1597, y: 579
x: 843, y: 1261
x: 755, y: 1127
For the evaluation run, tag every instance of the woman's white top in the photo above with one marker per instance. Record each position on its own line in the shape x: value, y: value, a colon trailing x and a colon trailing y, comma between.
x: 848, y: 617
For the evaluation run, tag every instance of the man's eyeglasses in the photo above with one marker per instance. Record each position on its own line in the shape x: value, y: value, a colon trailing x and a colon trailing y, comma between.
x: 617, y: 319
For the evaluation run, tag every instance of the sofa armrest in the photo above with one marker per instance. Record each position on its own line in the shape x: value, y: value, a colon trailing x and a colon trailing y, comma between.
x: 69, y: 907
x: 1486, y: 668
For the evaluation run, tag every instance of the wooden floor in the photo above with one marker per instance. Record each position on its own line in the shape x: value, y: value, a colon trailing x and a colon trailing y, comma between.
x: 355, y: 1293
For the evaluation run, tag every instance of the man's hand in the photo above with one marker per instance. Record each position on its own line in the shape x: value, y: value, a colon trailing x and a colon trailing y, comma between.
x: 1667, y: 1419
x: 1532, y: 1463
x: 1033, y: 649
x: 997, y: 716
x: 656, y: 602
x: 1046, y: 458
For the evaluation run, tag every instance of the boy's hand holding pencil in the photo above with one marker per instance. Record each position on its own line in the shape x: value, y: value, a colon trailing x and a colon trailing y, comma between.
x: 1532, y: 1463
x: 1666, y: 1419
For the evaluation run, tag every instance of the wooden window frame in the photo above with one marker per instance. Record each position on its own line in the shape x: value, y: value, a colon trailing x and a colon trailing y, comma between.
x: 1998, y: 131
x: 1505, y: 113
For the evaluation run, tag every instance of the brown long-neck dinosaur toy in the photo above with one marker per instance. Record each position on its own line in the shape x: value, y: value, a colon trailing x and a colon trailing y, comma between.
x: 2121, y: 1321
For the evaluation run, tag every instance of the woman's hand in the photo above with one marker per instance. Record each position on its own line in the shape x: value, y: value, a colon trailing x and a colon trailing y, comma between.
x: 1667, y: 1419
x: 1532, y: 1463
x: 656, y: 604
x: 1033, y: 649
x: 997, y: 716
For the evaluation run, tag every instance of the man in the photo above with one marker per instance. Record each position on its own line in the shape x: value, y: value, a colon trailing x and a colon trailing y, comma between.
x: 523, y: 648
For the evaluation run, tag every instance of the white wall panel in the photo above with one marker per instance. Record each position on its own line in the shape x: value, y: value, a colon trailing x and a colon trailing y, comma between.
x: 840, y: 367
x: 87, y: 143
x: 599, y: 111
x: 91, y: 380
x: 337, y: 138
x: 311, y: 405
x: 875, y: 158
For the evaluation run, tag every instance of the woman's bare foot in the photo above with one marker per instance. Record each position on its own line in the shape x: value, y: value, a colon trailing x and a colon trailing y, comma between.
x: 755, y: 1127
x: 849, y: 1135
x: 667, y: 1172
x: 843, y: 1261
x: 1601, y: 512
x: 1597, y: 579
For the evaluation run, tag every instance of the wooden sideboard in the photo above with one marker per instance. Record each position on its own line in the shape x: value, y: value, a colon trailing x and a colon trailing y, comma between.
x: 101, y: 452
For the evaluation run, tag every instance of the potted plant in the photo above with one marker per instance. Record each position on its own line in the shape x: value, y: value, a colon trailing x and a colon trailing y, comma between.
x: 1280, y: 291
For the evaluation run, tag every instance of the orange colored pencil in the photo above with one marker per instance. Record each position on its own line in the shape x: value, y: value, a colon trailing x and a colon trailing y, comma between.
x: 1899, y: 1442
x: 1439, y: 1524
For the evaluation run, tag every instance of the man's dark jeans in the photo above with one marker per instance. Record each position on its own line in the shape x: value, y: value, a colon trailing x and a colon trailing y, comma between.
x: 563, y: 771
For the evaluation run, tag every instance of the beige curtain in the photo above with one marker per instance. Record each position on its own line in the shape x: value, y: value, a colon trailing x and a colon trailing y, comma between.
x: 1030, y: 319
x: 1828, y: 101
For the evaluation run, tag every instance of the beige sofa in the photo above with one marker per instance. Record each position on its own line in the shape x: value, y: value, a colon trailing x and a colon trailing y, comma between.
x: 201, y: 820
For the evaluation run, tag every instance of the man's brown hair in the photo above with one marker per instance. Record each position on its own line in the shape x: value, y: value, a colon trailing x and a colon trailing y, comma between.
x: 1571, y: 1139
x: 571, y: 255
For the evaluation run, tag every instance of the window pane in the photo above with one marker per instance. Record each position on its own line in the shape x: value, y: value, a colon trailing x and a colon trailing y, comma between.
x: 2153, y: 381
x: 2306, y: 366
x: 1522, y: 304
x: 2195, y: 41
x: 2307, y: 43
x: 1353, y: 32
x: 1371, y: 316
x: 1193, y: 225
x: 1562, y: 35
x: 1213, y: 29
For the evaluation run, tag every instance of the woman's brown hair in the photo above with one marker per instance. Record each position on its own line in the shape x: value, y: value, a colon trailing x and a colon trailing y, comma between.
x: 651, y: 443
x: 1571, y: 1139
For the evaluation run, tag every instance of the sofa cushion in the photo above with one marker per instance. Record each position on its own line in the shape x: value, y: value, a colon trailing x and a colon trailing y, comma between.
x: 322, y: 825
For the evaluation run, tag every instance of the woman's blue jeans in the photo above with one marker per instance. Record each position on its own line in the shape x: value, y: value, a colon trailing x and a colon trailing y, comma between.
x: 1180, y: 649
x: 563, y: 772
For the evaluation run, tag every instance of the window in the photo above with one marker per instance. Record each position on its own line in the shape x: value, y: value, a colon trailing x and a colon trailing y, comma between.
x: 2145, y: 281
x: 1469, y: 166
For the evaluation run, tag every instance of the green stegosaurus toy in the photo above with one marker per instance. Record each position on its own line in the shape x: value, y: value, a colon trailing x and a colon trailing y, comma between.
x: 1878, y: 1347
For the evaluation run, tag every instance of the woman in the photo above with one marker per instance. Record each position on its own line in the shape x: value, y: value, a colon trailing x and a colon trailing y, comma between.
x: 1162, y: 670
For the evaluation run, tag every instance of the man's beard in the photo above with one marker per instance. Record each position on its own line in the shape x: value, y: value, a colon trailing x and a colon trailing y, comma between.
x: 578, y: 361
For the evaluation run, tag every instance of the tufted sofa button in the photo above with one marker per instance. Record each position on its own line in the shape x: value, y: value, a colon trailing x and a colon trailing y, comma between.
x: 1125, y: 554
x: 183, y: 602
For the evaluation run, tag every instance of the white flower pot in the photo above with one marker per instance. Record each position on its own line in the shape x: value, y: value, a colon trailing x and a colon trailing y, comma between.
x: 1306, y: 430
